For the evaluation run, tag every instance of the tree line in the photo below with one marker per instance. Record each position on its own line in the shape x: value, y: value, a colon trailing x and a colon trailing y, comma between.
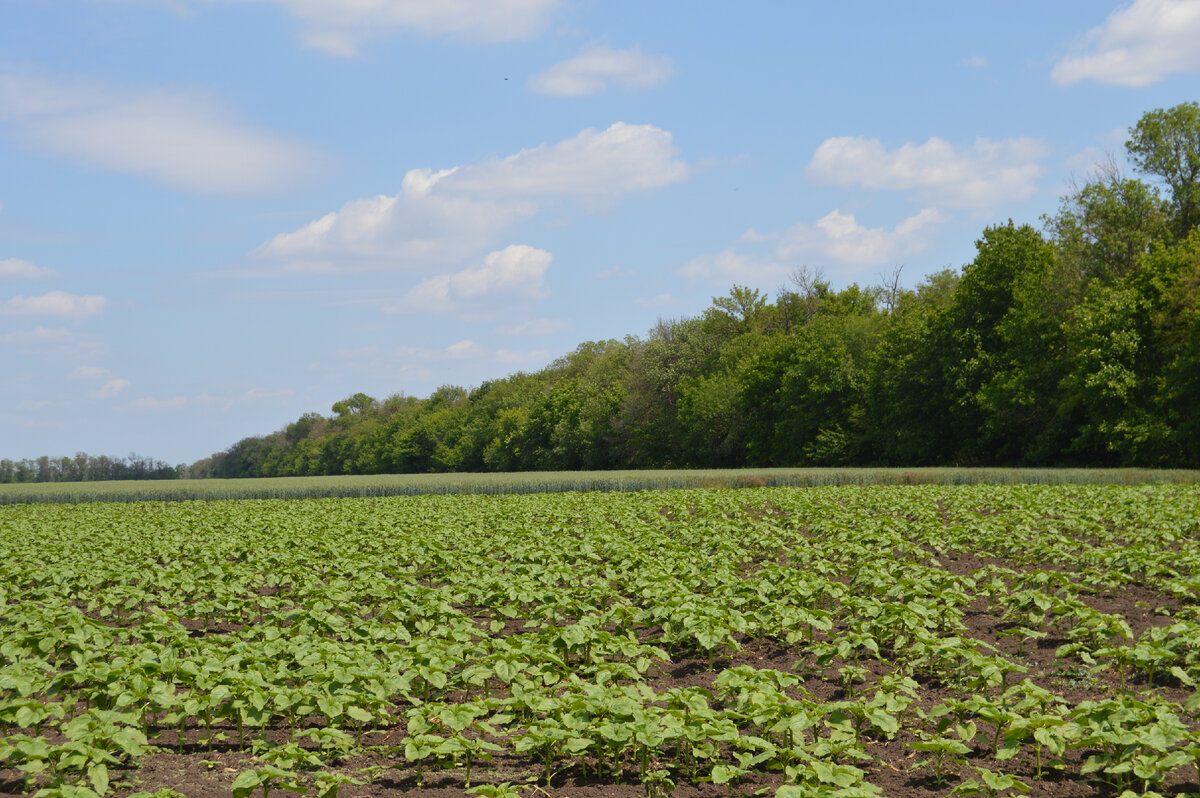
x: 86, y: 468
x: 1073, y: 343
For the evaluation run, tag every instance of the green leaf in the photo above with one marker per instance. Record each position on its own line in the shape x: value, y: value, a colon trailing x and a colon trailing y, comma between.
x: 98, y: 775
x: 723, y: 774
x: 359, y: 714
x: 246, y: 782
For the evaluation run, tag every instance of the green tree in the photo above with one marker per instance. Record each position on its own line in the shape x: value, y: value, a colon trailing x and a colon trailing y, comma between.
x: 1166, y: 144
x: 1108, y: 399
x: 1103, y: 228
x: 353, y: 405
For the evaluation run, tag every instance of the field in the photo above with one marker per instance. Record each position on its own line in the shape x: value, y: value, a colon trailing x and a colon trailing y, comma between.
x: 919, y: 640
x: 556, y: 481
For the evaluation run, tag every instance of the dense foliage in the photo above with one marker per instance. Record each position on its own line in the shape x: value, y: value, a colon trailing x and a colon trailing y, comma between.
x: 1075, y: 344
x: 839, y: 642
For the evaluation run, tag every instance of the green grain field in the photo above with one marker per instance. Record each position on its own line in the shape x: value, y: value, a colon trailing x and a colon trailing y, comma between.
x: 557, y: 481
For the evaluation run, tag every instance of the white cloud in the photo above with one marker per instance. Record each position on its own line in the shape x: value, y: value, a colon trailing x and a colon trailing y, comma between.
x: 90, y: 373
x: 37, y: 336
x: 835, y: 238
x: 208, y: 400
x: 410, y: 228
x: 517, y: 271
x: 975, y: 61
x: 180, y: 138
x: 150, y: 403
x: 614, y: 271
x: 1137, y: 45
x: 987, y: 174
x: 17, y: 269
x: 752, y: 236
x: 110, y: 388
x: 462, y: 350
x: 595, y: 164
x: 513, y: 358
x: 654, y: 301
x: 840, y: 238
x: 444, y: 216
x: 729, y: 266
x: 594, y: 69
x: 534, y: 327
x: 54, y: 303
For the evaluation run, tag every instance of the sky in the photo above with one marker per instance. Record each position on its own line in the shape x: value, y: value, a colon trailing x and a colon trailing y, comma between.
x: 217, y: 215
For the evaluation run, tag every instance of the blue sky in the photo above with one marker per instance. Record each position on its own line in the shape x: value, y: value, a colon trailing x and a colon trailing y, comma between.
x: 216, y: 215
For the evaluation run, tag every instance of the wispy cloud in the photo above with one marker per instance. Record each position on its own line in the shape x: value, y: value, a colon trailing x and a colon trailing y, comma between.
x: 595, y: 69
x: 1140, y: 43
x: 37, y: 336
x: 535, y: 327
x: 109, y: 389
x: 151, y: 403
x: 180, y: 138
x: 654, y: 301
x: 533, y: 357
x: 90, y: 373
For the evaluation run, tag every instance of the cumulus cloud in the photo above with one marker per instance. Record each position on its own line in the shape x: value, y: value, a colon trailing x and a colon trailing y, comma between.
x: 413, y: 227
x: 180, y: 138
x: 449, y: 214
x: 54, y: 303
x: 983, y: 176
x: 517, y: 271
x: 1139, y: 44
x: 17, y: 269
x: 835, y: 238
x: 110, y: 388
x: 840, y: 238
x: 594, y: 164
x: 594, y: 69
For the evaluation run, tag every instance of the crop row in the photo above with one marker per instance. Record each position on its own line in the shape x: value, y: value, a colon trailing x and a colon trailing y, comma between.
x: 802, y: 640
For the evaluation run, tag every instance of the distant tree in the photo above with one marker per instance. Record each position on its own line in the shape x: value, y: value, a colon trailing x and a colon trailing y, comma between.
x: 353, y: 405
